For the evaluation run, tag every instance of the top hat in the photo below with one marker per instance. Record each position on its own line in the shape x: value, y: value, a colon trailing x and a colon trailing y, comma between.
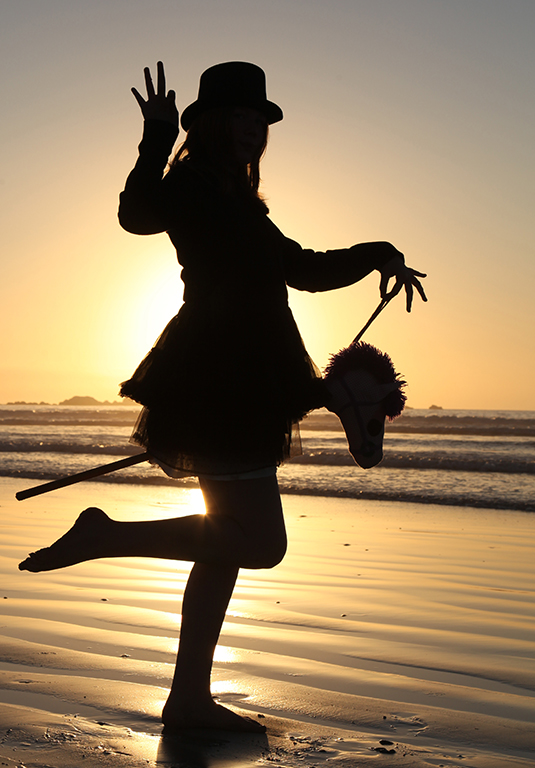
x: 232, y: 84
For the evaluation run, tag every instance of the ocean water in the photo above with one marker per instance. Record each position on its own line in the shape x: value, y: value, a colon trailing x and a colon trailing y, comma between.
x: 456, y: 457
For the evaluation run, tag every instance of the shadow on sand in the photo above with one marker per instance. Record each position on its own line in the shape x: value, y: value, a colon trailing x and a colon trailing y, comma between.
x: 211, y: 749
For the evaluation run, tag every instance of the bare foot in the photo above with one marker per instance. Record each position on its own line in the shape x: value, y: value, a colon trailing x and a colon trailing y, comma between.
x: 84, y: 541
x: 208, y: 715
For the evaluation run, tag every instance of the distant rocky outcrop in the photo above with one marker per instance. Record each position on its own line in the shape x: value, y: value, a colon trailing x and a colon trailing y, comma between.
x: 86, y: 400
x: 77, y: 401
x: 436, y: 408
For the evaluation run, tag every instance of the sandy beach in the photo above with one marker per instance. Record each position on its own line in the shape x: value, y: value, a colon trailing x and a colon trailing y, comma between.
x: 392, y: 634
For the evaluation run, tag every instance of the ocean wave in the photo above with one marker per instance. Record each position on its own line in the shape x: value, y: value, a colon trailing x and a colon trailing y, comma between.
x: 501, y: 492
x: 68, y: 416
x: 484, y: 459
x: 67, y: 447
x: 411, y: 461
x: 441, y: 422
x: 520, y: 428
x: 473, y: 461
x: 68, y: 421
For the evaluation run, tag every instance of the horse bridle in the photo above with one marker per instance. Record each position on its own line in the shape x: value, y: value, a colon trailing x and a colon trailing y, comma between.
x: 367, y: 448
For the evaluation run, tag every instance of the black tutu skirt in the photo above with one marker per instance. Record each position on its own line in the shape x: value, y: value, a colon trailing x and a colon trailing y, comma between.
x: 224, y: 388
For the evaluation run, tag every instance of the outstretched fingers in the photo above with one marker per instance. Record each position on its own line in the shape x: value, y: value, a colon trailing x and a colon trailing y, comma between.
x: 410, y: 281
x: 148, y: 84
x: 409, y: 294
x: 417, y: 284
x: 405, y: 277
x: 158, y: 105
x: 139, y: 98
x: 161, y: 78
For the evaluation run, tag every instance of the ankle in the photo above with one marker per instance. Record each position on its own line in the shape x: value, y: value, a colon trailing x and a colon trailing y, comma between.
x: 188, y: 698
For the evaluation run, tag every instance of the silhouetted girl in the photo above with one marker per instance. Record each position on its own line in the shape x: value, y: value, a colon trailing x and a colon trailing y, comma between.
x: 228, y: 380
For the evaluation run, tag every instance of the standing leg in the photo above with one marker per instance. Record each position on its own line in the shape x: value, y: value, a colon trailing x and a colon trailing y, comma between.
x: 205, y: 602
x: 190, y: 703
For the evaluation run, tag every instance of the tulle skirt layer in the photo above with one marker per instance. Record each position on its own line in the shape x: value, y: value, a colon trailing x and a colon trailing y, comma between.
x: 223, y: 391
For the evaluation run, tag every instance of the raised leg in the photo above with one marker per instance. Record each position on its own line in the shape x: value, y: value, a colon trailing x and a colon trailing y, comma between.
x: 245, y: 529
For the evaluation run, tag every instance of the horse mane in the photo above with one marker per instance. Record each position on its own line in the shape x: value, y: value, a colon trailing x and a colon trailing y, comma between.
x: 363, y: 356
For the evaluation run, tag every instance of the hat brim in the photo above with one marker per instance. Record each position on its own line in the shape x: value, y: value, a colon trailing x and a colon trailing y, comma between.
x: 271, y: 111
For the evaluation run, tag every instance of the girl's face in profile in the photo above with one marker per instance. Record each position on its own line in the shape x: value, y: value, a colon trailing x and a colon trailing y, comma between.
x: 248, y: 128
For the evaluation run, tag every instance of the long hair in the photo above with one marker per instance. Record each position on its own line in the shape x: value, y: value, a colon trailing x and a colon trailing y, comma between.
x: 209, y: 144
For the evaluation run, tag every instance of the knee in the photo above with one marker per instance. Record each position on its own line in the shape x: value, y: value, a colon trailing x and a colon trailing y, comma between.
x: 267, y: 554
x: 275, y: 555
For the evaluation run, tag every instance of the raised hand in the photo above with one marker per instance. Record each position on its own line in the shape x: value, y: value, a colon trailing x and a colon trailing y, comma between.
x: 405, y: 277
x: 158, y: 105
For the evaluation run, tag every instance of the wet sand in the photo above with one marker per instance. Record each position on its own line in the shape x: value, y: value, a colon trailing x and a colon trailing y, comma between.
x: 392, y: 634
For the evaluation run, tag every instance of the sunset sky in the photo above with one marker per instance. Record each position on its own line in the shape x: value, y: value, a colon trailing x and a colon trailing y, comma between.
x: 405, y: 120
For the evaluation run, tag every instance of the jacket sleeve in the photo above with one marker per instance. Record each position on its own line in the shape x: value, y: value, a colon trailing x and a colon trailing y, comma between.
x: 313, y: 271
x: 143, y: 205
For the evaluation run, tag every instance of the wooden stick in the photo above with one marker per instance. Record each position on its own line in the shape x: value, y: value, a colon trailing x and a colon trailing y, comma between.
x: 87, y: 475
x: 382, y: 305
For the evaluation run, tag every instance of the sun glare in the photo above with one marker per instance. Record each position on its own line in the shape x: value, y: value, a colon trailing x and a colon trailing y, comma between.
x: 225, y: 655
x: 135, y: 309
x: 196, y: 502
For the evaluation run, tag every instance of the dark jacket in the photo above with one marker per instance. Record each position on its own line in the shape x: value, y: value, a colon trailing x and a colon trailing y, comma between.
x: 229, y: 375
